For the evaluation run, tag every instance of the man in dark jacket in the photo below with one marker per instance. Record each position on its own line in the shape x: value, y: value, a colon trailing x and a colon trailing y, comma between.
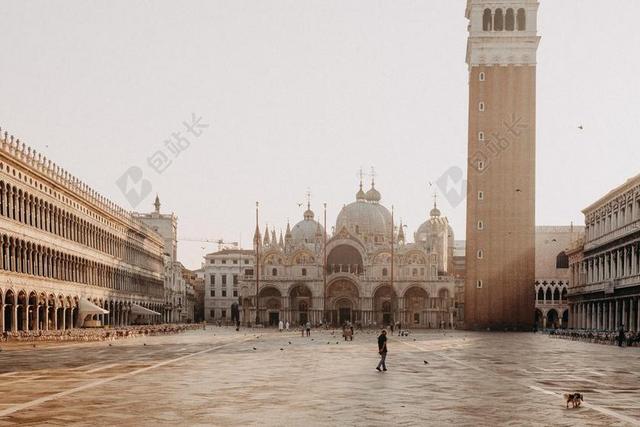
x: 382, y: 350
x: 621, y: 336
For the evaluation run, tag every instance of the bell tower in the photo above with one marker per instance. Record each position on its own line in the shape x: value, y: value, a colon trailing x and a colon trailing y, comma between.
x: 500, y: 247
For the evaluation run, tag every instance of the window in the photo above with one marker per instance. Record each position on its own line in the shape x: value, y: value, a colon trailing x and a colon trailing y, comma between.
x: 414, y: 272
x: 248, y: 271
x: 235, y: 292
x: 213, y: 292
x: 224, y: 292
x: 479, y: 284
x: 481, y: 136
x: 246, y: 261
x: 235, y: 261
x: 481, y: 106
x: 480, y: 195
x: 224, y: 261
x: 235, y: 279
x: 487, y: 24
x: 212, y: 279
x: 510, y: 21
x: 224, y: 314
x: 213, y: 261
x: 274, y: 272
x: 498, y: 20
x: 385, y: 272
x: 304, y: 271
x: 480, y: 254
x: 480, y: 225
x: 481, y: 76
x: 212, y: 313
x: 224, y: 279
x: 480, y: 165
x: 522, y: 20
x: 562, y: 260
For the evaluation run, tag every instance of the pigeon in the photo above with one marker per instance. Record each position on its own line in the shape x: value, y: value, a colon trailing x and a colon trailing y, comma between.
x: 144, y: 344
x: 281, y: 349
x: 414, y: 339
x: 254, y: 348
x: 581, y: 127
x: 34, y: 346
x: 109, y: 345
x: 425, y: 362
x: 289, y: 342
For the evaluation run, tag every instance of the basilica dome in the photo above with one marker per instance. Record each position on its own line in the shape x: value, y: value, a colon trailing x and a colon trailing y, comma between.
x: 308, y: 230
x: 366, y: 217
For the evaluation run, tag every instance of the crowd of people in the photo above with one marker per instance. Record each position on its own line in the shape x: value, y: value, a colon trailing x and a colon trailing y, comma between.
x: 628, y: 338
x: 97, y: 334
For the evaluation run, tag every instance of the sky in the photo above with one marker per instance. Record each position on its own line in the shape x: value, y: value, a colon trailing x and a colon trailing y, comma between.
x: 215, y: 105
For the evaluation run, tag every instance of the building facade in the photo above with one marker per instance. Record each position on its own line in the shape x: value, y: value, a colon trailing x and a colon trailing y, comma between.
x: 500, y: 267
x: 604, y: 291
x: 175, y: 293
x: 222, y: 271
x: 365, y: 273
x: 552, y: 274
x: 66, y: 250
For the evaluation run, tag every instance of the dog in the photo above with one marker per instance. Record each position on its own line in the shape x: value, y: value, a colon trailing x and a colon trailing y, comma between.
x: 574, y: 398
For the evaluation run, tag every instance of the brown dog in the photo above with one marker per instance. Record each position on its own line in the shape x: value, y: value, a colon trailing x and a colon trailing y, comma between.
x: 574, y: 398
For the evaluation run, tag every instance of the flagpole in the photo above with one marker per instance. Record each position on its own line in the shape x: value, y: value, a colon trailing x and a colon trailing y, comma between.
x: 324, y: 268
x: 392, y: 250
x: 257, y: 270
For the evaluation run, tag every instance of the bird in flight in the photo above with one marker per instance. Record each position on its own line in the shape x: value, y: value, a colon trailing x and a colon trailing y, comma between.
x: 580, y: 127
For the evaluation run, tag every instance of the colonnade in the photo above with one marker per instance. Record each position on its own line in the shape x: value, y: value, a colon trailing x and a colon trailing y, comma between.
x: 608, y: 314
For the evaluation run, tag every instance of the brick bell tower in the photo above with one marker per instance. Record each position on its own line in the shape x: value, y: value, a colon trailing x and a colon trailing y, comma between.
x: 500, y: 251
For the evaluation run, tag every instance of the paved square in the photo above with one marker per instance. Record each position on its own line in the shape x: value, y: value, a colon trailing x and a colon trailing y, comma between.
x: 215, y: 377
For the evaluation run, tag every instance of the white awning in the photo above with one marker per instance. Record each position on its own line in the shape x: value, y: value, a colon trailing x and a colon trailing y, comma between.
x: 138, y: 309
x: 87, y: 307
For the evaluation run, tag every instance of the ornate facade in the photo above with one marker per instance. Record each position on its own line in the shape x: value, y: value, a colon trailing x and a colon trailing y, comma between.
x: 307, y: 275
x: 605, y: 263
x: 65, y: 249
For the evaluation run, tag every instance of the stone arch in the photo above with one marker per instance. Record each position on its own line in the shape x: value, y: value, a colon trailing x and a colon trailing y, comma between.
x: 385, y: 305
x: 521, y: 19
x: 539, y: 319
x: 498, y: 20
x: 270, y: 304
x: 9, y: 309
x: 343, y: 301
x: 510, y: 20
x: 487, y: 20
x: 300, y: 302
x: 22, y: 304
x: 416, y: 303
x: 345, y: 258
x: 552, y: 319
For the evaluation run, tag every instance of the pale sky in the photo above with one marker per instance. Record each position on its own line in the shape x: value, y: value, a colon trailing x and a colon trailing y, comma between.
x: 301, y: 94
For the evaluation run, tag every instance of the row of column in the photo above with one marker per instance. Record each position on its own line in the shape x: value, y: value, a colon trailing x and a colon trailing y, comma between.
x: 606, y: 315
x: 616, y: 264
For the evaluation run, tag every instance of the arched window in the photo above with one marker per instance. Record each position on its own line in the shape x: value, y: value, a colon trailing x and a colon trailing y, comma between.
x: 522, y: 20
x: 498, y: 20
x: 540, y: 295
x: 562, y: 260
x: 385, y: 272
x: 510, y: 21
x: 548, y: 295
x: 274, y: 272
x: 486, y: 20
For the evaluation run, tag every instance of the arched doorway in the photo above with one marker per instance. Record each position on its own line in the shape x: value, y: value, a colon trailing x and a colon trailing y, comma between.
x: 32, y: 308
x: 270, y: 305
x: 416, y: 302
x: 300, y: 303
x: 22, y: 306
x: 552, y: 319
x: 384, y: 305
x: 9, y: 307
x: 342, y: 301
x: 565, y: 319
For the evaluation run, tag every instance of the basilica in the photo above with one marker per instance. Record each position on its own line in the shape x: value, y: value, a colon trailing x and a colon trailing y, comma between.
x: 367, y: 272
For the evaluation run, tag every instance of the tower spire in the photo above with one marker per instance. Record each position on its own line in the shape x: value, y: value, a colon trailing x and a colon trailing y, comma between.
x: 156, y: 204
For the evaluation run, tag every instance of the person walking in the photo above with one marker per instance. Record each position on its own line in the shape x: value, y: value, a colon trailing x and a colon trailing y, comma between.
x: 382, y: 350
x: 280, y: 326
x: 308, y: 328
x: 287, y: 326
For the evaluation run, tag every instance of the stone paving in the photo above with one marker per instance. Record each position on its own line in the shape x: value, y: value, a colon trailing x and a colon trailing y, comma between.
x: 215, y: 377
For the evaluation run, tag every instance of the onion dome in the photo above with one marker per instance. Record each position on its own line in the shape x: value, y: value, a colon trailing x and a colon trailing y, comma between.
x: 308, y: 230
